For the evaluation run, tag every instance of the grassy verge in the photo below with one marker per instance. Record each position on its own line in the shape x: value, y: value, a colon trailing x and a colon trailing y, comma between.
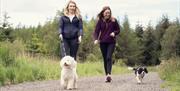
x: 97, y: 69
x: 39, y: 68
x: 16, y: 67
x: 26, y: 68
x: 169, y: 71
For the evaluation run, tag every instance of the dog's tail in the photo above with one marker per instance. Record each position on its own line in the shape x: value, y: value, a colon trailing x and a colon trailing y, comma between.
x: 131, y: 68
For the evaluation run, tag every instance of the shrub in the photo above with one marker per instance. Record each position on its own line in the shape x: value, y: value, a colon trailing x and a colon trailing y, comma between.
x: 6, y: 57
x: 2, y: 75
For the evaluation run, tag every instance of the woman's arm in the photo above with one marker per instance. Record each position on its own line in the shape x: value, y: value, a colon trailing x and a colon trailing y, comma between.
x: 61, y: 25
x: 80, y: 27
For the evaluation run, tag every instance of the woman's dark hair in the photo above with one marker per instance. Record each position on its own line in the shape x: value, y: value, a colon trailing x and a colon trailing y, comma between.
x: 100, y: 15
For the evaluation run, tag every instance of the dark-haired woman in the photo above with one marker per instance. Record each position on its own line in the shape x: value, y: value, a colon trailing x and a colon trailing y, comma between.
x: 106, y: 30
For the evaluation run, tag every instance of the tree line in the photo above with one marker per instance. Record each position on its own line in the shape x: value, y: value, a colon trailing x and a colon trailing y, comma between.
x: 139, y: 46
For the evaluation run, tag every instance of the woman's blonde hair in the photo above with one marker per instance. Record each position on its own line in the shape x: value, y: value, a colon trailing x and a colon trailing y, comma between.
x: 77, y: 11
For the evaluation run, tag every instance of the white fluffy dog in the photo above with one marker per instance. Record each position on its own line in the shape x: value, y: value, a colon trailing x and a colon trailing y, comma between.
x: 68, y: 73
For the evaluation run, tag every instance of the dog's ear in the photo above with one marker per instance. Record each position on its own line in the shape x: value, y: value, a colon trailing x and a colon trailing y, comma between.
x: 61, y: 63
x: 145, y: 70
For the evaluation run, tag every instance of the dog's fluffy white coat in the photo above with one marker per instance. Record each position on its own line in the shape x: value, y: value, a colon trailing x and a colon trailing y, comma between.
x: 68, y: 73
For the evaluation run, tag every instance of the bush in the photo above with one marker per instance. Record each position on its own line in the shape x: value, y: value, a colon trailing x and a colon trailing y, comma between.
x: 31, y: 69
x: 6, y: 57
x: 169, y: 71
x: 120, y: 63
x: 10, y: 74
x: 2, y: 75
x: 169, y: 68
x: 28, y: 69
x: 92, y: 58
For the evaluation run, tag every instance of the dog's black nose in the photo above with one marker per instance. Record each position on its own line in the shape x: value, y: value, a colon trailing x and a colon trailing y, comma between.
x: 65, y: 64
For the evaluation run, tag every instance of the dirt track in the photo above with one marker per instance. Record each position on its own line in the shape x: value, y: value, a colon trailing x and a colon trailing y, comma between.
x: 125, y: 82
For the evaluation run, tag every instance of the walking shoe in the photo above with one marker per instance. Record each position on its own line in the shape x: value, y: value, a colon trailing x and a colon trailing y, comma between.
x: 108, y: 79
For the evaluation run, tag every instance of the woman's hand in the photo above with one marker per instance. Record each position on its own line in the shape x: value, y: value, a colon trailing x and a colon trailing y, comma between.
x: 61, y: 37
x: 112, y: 34
x: 96, y: 41
x: 79, y: 39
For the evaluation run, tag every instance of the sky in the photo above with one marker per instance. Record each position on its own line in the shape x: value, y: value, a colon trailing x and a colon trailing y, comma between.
x: 34, y: 12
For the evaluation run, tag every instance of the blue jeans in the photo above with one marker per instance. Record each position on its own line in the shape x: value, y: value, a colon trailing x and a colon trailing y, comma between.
x: 107, y: 50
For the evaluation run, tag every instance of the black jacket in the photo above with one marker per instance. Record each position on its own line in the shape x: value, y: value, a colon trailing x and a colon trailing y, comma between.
x: 70, y: 30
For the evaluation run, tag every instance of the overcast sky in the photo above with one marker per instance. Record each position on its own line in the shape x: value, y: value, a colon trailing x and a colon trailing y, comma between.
x: 33, y: 12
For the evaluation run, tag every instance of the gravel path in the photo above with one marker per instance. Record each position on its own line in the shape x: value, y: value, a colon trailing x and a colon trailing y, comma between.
x: 125, y: 82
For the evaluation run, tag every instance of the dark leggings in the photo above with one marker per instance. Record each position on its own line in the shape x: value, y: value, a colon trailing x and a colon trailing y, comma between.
x: 69, y: 47
x: 107, y: 50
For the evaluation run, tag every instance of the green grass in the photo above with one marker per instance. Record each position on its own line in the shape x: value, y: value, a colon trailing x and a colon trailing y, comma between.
x: 41, y: 68
x: 169, y: 71
x: 152, y: 68
x: 97, y: 69
x: 28, y: 68
x: 2, y: 75
x: 17, y: 66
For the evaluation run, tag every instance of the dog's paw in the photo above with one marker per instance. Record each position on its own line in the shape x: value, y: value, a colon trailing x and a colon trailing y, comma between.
x: 139, y: 82
x: 63, y: 87
x: 69, y: 88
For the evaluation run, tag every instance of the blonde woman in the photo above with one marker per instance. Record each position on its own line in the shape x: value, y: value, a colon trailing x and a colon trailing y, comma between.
x: 70, y: 29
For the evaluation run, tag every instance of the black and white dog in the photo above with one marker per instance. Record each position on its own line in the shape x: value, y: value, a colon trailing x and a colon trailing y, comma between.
x: 139, y: 72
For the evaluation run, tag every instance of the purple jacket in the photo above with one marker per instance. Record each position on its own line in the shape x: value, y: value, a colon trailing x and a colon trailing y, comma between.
x: 104, y: 29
